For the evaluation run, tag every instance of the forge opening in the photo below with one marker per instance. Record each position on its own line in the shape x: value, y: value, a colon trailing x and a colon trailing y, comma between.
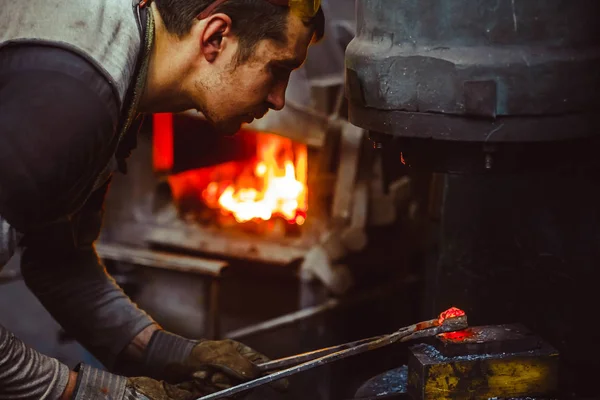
x: 261, y: 189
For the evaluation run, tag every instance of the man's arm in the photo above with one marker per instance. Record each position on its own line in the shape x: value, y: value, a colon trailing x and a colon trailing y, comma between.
x: 62, y: 269
x: 57, y: 129
x: 58, y: 121
x: 27, y: 374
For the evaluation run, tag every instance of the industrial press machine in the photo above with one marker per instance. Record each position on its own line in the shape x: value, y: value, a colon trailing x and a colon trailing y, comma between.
x: 500, y: 98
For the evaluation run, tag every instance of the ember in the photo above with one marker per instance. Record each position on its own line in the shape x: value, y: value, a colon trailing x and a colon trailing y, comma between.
x: 458, y: 336
x: 452, y: 312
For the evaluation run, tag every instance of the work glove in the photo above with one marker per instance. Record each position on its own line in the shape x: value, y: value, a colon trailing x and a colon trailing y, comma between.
x: 94, y: 384
x: 214, y: 365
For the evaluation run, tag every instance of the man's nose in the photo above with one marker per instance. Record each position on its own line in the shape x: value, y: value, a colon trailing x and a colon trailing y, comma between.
x: 277, y: 96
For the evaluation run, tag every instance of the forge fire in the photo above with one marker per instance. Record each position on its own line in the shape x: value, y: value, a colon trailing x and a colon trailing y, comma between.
x: 270, y: 184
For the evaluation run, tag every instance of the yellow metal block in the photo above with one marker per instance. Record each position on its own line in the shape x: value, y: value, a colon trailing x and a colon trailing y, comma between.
x: 505, y: 375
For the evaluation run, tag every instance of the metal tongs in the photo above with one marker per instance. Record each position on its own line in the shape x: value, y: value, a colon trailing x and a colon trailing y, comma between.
x: 450, y: 320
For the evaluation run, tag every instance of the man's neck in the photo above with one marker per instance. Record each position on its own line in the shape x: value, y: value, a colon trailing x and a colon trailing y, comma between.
x: 163, y: 66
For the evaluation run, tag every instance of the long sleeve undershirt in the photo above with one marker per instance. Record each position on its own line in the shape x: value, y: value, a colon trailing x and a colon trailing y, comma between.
x: 58, y: 121
x: 62, y: 269
x: 26, y: 374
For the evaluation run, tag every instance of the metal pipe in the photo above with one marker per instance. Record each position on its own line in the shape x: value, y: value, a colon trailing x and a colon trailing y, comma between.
x: 283, y: 320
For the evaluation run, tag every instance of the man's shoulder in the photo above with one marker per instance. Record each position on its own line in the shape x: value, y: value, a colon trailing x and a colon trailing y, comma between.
x: 106, y: 32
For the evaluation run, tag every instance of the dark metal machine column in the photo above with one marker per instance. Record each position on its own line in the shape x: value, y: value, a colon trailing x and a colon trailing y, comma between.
x: 504, y: 96
x: 459, y: 81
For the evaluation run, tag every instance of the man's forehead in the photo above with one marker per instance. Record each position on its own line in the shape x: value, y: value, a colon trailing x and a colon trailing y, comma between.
x: 292, y: 53
x: 286, y: 55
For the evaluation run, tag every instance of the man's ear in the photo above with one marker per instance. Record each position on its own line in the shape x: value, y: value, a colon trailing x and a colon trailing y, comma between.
x: 217, y: 27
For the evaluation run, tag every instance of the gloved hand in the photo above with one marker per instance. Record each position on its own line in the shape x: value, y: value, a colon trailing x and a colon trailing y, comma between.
x: 94, y: 384
x: 214, y: 365
x: 143, y: 388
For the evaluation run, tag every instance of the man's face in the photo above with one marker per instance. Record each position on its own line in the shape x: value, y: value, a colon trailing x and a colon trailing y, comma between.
x: 232, y: 94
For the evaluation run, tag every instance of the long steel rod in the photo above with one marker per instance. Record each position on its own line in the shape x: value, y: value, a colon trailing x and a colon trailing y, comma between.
x: 352, y: 351
x: 422, y: 329
x: 311, y: 355
x: 386, y: 340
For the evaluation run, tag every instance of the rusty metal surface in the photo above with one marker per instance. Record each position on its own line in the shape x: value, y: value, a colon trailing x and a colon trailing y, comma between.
x: 532, y: 373
x: 393, y: 385
x: 496, y: 66
x: 472, y: 344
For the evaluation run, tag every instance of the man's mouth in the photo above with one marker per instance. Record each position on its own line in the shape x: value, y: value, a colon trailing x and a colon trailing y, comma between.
x: 248, y: 118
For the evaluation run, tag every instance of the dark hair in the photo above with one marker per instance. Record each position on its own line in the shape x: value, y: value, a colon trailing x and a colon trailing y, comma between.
x: 252, y: 20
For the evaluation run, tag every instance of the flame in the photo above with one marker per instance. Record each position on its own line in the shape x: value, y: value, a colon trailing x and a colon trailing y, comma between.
x: 274, y: 184
x: 452, y: 312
